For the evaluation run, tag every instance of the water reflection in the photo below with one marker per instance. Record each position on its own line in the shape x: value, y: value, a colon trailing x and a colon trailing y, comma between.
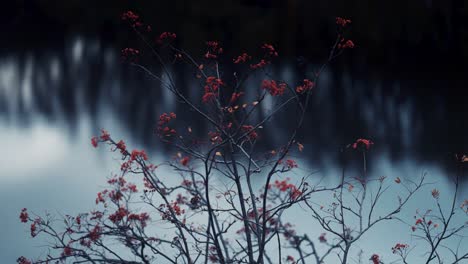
x: 52, y: 102
x: 406, y: 118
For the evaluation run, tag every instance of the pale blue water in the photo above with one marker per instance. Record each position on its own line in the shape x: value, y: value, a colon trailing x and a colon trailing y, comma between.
x: 51, y: 105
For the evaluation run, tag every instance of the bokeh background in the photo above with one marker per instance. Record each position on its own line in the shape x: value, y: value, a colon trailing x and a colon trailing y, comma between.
x: 61, y: 80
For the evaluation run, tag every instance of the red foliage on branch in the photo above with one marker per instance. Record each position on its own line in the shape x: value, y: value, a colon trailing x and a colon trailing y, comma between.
x: 214, y: 49
x: 308, y: 85
x: 375, y: 259
x: 362, y: 144
x: 166, y: 37
x: 274, y: 88
x: 130, y: 55
x: 348, y: 44
x: 342, y: 21
x: 24, y: 215
x: 244, y: 57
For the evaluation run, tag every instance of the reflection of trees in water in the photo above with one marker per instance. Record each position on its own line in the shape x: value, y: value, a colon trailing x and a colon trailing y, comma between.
x: 84, y: 78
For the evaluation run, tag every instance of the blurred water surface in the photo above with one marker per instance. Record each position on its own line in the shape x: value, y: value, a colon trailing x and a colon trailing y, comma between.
x: 53, y: 100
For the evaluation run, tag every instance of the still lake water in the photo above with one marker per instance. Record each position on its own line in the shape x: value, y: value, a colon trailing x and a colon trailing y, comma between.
x: 53, y: 101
